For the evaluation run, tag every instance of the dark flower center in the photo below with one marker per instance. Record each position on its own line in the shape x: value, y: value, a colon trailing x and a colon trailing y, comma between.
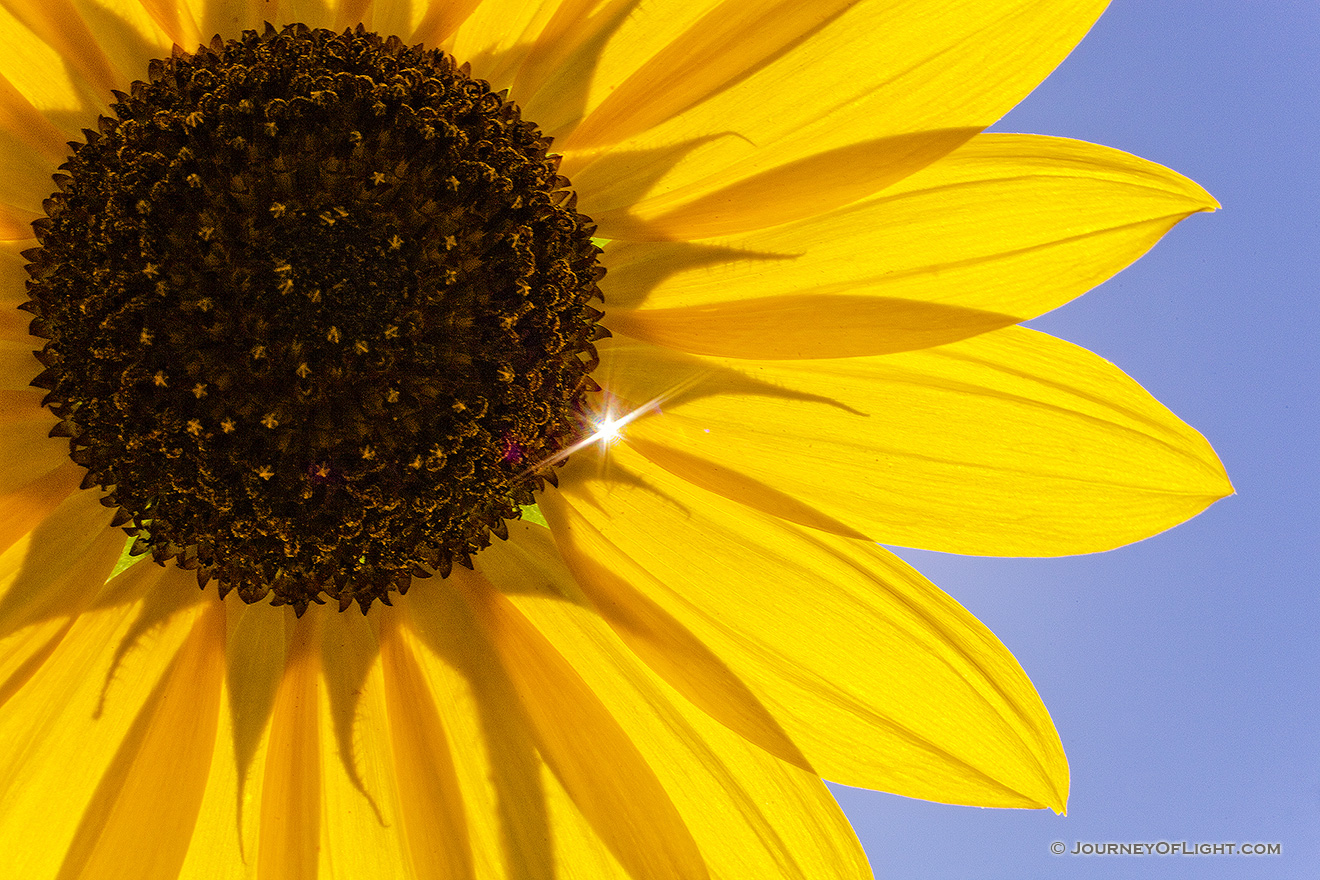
x: 317, y: 313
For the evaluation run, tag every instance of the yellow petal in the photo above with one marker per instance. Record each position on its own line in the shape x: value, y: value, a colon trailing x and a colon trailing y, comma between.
x: 28, y: 127
x: 1009, y: 443
x: 16, y: 223
x: 66, y: 729
x: 682, y: 660
x: 40, y: 607
x: 882, y: 680
x: 750, y: 814
x: 26, y: 448
x: 351, y: 13
x: 434, y: 826
x: 230, y: 821
x: 17, y: 365
x: 30, y: 149
x: 303, y: 782
x: 437, y: 22
x: 501, y: 776
x: 1000, y: 230
x: 13, y: 324
x: 291, y: 788
x: 959, y: 63
x: 55, y: 87
x: 159, y: 772
x: 497, y: 36
x: 579, y: 737
x: 13, y: 293
x: 879, y: 70
x: 803, y: 187
x: 229, y: 18
x: 130, y: 34
x: 686, y: 50
x: 806, y: 326
x: 552, y: 70
x: 38, y: 575
x: 24, y: 508
x: 176, y: 21
x: 58, y: 25
x: 360, y: 785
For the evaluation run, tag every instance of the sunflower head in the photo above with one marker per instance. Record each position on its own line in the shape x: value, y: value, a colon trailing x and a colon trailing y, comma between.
x: 317, y: 313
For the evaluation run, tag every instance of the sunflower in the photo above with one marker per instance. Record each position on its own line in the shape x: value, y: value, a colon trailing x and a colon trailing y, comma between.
x: 526, y: 384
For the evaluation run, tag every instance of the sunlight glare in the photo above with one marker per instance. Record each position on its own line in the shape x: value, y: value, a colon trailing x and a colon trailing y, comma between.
x: 607, y: 429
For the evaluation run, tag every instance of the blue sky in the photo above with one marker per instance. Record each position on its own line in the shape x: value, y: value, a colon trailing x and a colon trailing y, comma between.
x: 1182, y: 671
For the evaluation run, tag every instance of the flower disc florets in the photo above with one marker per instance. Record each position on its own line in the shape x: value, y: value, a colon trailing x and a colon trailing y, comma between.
x: 317, y: 313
